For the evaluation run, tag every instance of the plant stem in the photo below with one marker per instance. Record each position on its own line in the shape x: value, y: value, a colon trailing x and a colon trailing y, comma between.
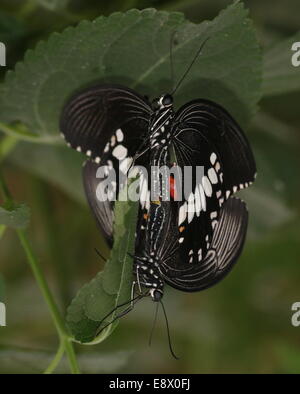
x: 65, y: 341
x: 56, y: 316
x: 69, y: 348
x: 42, y: 283
x: 58, y: 356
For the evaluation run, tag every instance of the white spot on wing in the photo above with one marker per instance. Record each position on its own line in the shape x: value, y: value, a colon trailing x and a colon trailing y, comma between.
x: 182, y: 214
x: 120, y: 135
x: 212, y: 176
x: 213, y: 158
x: 200, y: 254
x: 120, y: 152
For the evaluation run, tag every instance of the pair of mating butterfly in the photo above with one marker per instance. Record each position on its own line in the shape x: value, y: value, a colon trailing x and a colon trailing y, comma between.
x: 189, y: 244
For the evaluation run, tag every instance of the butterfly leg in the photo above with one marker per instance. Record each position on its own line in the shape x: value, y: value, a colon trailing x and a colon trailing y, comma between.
x: 138, y: 279
x: 133, y: 299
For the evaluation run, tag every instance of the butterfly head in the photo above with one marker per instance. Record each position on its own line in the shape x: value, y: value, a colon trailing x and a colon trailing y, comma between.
x: 164, y: 101
x: 156, y: 294
x: 149, y: 276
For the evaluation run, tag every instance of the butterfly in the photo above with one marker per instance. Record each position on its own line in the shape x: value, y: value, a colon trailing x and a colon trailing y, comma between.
x: 192, y: 243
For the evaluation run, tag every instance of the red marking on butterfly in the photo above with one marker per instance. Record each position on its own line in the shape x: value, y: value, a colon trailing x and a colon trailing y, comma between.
x: 172, y: 187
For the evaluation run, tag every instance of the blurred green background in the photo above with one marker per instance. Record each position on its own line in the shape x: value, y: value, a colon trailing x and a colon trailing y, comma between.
x: 243, y: 324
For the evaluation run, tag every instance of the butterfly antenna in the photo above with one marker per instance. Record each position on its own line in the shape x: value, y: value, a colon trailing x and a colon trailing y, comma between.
x: 190, y: 66
x: 168, y: 331
x: 100, y: 255
x: 137, y: 298
x: 154, y: 323
x: 171, y: 57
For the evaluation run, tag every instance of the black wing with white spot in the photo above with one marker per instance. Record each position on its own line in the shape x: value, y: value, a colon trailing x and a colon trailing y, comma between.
x: 109, y: 123
x: 198, y: 211
x: 226, y: 247
x: 232, y: 148
x: 205, y: 136
x: 106, y: 118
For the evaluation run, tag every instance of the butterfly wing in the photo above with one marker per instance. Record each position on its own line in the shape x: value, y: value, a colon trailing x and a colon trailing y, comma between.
x: 226, y: 247
x: 101, y: 207
x: 106, y: 119
x: 205, y: 136
x: 232, y: 149
x: 108, y: 123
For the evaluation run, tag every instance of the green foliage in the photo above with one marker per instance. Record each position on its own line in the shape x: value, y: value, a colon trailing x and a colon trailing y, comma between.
x: 109, y: 288
x: 250, y: 309
x: 14, y: 215
x: 133, y: 49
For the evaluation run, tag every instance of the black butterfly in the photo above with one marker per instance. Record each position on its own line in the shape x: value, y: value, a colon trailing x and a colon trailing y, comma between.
x: 189, y: 244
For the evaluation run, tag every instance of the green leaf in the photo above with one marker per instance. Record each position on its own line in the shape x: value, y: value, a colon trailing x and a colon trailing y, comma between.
x: 133, y: 48
x: 15, y: 216
x: 109, y: 288
x: 279, y: 75
x: 53, y: 5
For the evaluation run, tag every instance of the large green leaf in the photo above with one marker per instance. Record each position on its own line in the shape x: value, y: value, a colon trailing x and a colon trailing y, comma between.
x: 109, y: 288
x: 133, y: 48
x: 279, y: 75
x: 14, y: 215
